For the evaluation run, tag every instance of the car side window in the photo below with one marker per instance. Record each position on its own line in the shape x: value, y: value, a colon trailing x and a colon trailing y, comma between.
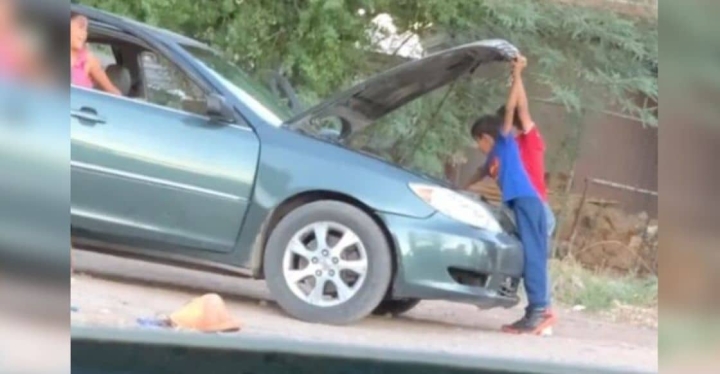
x: 166, y: 85
x: 103, y: 52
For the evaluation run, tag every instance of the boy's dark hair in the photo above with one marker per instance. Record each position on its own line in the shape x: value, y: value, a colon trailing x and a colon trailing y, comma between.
x: 516, y: 118
x: 487, y: 124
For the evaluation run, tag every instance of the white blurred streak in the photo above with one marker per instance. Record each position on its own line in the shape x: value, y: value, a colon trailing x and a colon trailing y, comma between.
x: 689, y: 181
x: 34, y: 189
x: 34, y: 321
x: 27, y: 346
x: 35, y: 186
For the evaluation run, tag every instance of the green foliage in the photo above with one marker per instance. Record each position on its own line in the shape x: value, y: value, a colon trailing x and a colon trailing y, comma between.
x: 315, y: 42
x: 575, y: 285
x: 583, y: 59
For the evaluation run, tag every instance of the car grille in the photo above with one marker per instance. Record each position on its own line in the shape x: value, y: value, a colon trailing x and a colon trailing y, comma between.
x: 509, y: 287
x: 468, y: 277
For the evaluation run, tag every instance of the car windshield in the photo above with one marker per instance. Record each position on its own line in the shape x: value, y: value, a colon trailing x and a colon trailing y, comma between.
x: 252, y: 93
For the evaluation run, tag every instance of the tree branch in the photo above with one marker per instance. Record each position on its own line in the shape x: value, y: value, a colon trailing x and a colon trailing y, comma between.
x: 429, y: 124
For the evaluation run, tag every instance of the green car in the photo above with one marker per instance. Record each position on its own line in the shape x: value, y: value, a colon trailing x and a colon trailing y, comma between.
x: 199, y: 166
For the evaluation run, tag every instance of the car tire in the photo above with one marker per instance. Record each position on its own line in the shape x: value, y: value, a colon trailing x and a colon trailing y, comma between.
x: 395, y: 307
x: 292, y: 296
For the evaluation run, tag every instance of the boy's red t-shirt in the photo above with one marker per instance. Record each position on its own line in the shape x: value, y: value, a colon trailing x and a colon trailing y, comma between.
x: 532, y: 152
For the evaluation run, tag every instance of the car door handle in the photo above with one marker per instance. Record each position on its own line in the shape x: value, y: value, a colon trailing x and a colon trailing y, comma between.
x: 88, y: 115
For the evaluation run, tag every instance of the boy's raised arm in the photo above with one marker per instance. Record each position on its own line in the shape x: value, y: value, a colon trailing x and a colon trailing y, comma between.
x: 513, y: 96
x: 523, y: 106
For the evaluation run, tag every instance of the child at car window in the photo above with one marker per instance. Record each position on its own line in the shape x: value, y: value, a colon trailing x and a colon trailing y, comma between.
x: 495, y: 138
x: 86, y: 70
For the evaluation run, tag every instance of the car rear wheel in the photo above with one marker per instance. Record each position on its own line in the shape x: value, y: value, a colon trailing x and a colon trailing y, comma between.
x: 395, y: 307
x: 327, y: 262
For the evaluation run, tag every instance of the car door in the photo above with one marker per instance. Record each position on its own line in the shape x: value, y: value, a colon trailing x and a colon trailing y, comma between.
x: 146, y: 170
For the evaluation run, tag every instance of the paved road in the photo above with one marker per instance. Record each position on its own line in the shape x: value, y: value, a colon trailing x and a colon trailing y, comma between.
x: 114, y: 291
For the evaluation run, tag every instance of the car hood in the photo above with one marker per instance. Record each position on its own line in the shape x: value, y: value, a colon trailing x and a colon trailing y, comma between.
x: 381, y: 94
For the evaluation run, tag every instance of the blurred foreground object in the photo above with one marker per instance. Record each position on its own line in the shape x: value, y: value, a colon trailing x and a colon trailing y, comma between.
x: 34, y: 188
x: 29, y: 44
x: 35, y: 185
x: 162, y: 351
x: 690, y: 179
x: 28, y: 346
x: 689, y: 174
x: 34, y: 229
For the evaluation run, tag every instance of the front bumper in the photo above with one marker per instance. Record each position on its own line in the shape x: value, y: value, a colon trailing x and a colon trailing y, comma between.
x: 440, y: 258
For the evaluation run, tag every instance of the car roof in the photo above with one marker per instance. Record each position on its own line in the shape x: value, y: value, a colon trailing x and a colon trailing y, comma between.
x: 158, y: 32
x: 168, y: 35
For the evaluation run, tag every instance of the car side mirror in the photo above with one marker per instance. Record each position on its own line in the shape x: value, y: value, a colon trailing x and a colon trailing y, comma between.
x: 216, y: 107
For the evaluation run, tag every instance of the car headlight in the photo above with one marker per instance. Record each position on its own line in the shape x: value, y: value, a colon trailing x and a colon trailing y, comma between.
x: 457, y: 206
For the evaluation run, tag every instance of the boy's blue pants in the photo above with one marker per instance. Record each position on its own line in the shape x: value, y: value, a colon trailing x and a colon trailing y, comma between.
x: 531, y: 221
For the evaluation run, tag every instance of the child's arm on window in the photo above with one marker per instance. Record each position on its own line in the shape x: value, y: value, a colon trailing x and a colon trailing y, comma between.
x: 99, y: 76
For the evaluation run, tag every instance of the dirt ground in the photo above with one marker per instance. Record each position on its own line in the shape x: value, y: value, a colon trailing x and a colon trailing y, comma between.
x: 115, y: 292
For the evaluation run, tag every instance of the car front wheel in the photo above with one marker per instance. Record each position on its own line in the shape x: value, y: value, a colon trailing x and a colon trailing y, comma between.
x: 328, y: 262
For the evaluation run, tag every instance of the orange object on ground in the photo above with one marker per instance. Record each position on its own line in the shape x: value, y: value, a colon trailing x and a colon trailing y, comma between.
x: 206, y: 313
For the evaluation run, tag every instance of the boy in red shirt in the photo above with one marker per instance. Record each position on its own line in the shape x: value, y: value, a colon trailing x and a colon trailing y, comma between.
x: 532, y: 149
x: 532, y: 153
x: 495, y: 138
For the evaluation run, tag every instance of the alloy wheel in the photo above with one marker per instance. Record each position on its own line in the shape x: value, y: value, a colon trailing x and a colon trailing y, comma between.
x: 325, y: 264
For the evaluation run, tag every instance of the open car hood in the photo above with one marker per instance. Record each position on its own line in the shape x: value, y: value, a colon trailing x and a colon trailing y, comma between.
x: 381, y: 94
